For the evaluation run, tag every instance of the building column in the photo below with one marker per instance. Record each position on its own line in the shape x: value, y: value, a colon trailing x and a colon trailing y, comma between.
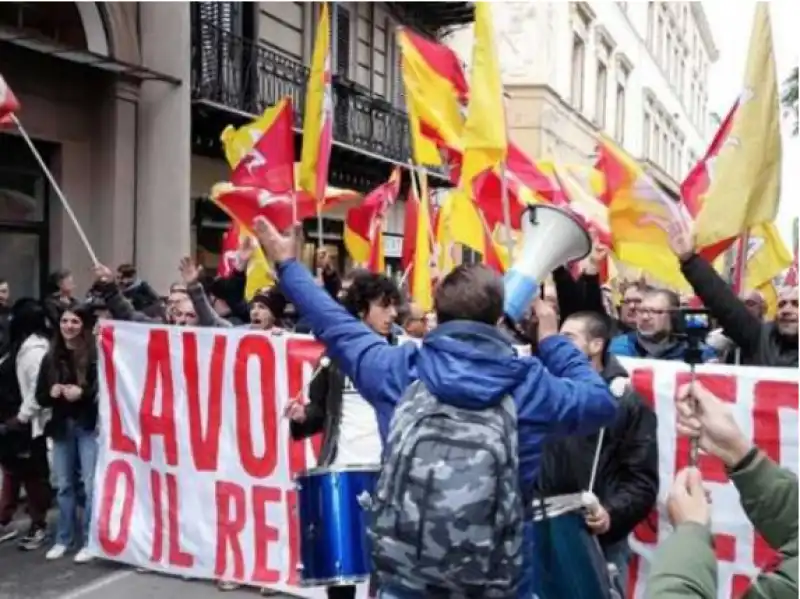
x: 115, y: 198
x: 163, y: 228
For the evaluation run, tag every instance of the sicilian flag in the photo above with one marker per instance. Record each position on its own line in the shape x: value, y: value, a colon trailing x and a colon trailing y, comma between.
x: 9, y: 105
x: 318, y: 120
x: 363, y: 223
x: 421, y: 277
x: 228, y: 250
x: 262, y: 184
x: 435, y: 89
x: 641, y: 217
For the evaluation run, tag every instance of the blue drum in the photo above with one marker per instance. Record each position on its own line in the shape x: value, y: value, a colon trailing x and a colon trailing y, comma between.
x: 333, y: 506
x: 568, y: 562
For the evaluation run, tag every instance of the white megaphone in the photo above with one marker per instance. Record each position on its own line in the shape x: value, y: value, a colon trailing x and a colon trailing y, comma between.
x: 552, y: 237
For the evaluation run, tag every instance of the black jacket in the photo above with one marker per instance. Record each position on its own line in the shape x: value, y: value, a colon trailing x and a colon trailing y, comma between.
x: 627, y: 476
x: 582, y: 295
x: 760, y: 343
x: 324, y: 411
x: 55, y: 370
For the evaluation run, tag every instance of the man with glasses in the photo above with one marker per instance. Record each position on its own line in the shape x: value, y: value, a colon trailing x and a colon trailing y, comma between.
x: 772, y: 343
x: 654, y: 336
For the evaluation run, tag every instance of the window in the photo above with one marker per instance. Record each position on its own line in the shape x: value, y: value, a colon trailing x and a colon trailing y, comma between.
x: 651, y: 23
x: 342, y: 40
x: 691, y: 101
x: 619, y: 119
x: 664, y: 149
x: 681, y: 76
x: 676, y: 66
x: 659, y: 41
x: 648, y: 125
x: 600, y: 94
x: 578, y: 59
x: 656, y: 156
x: 668, y: 58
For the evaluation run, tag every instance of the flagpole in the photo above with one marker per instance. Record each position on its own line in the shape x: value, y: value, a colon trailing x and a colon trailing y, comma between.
x: 509, y: 240
x: 56, y: 188
x: 412, y: 171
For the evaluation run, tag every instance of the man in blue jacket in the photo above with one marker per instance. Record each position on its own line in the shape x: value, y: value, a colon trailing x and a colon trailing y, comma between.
x: 466, y: 361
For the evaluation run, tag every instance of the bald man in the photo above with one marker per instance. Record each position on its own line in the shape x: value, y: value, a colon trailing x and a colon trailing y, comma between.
x: 414, y: 322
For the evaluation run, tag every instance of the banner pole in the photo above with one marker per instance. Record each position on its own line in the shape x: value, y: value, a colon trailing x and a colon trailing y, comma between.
x: 56, y: 189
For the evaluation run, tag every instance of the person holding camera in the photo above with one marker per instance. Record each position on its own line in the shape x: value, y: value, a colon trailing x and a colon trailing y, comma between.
x: 772, y: 343
x: 658, y: 331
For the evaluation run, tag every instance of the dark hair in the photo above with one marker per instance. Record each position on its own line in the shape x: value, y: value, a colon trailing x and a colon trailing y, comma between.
x: 403, y: 312
x: 470, y: 292
x: 127, y: 270
x: 27, y: 317
x: 3, y: 280
x: 367, y: 287
x: 598, y: 326
x: 80, y: 359
x: 55, y: 279
x: 273, y: 300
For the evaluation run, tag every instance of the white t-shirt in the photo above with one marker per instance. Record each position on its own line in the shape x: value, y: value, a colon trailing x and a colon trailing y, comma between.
x: 359, y: 438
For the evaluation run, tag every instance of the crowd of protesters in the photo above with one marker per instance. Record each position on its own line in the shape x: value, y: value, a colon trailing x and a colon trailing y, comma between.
x: 48, y: 396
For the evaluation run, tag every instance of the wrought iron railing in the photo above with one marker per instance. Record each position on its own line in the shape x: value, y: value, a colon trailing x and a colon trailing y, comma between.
x: 248, y: 77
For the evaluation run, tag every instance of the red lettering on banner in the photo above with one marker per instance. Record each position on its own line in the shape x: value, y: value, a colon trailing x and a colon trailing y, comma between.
x: 264, y: 534
x: 642, y: 380
x: 769, y: 398
x: 116, y: 470
x: 259, y: 347
x: 205, y: 448
x: 158, y: 377
x: 724, y: 387
x: 177, y: 556
x: 294, y: 536
x: 300, y: 352
x: 231, y: 519
x: 157, y: 550
x: 120, y: 442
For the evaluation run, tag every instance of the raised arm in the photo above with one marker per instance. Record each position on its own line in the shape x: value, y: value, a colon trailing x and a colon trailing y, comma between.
x: 568, y: 396
x: 379, y: 371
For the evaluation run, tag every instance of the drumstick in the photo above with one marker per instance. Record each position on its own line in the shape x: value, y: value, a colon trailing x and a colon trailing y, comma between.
x: 323, y: 363
x: 596, y: 460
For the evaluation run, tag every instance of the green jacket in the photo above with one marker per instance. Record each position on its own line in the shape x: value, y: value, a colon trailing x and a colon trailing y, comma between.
x: 685, y: 565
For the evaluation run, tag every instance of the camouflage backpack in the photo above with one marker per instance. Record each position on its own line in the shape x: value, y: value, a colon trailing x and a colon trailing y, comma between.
x: 447, y: 513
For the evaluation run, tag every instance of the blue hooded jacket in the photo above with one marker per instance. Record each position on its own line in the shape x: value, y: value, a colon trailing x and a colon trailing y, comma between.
x: 462, y: 363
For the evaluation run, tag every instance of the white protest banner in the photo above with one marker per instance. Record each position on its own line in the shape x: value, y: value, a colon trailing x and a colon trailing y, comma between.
x: 196, y: 461
x: 764, y: 402
x: 195, y: 465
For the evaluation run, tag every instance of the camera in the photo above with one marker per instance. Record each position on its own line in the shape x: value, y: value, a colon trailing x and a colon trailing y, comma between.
x: 694, y: 325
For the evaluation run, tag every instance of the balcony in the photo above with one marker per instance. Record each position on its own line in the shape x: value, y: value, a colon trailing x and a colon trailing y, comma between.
x: 244, y: 77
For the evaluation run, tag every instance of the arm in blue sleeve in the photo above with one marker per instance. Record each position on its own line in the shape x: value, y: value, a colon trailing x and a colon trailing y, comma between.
x: 568, y: 393
x: 380, y: 372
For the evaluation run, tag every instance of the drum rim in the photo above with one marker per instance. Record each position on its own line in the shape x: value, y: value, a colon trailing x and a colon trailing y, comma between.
x: 320, y: 470
x: 333, y: 581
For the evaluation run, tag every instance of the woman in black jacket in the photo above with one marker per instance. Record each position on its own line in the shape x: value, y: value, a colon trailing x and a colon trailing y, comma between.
x: 68, y: 385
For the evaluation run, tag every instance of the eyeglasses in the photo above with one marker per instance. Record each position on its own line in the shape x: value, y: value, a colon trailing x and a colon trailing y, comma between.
x: 784, y: 303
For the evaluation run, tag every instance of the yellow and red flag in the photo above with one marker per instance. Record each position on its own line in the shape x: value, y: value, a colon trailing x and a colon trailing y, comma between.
x: 258, y: 274
x: 318, y: 119
x: 766, y: 255
x: 9, y: 105
x: 641, y: 216
x: 744, y: 182
x: 484, y: 139
x: 364, y: 223
x: 436, y: 90
x: 421, y: 283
